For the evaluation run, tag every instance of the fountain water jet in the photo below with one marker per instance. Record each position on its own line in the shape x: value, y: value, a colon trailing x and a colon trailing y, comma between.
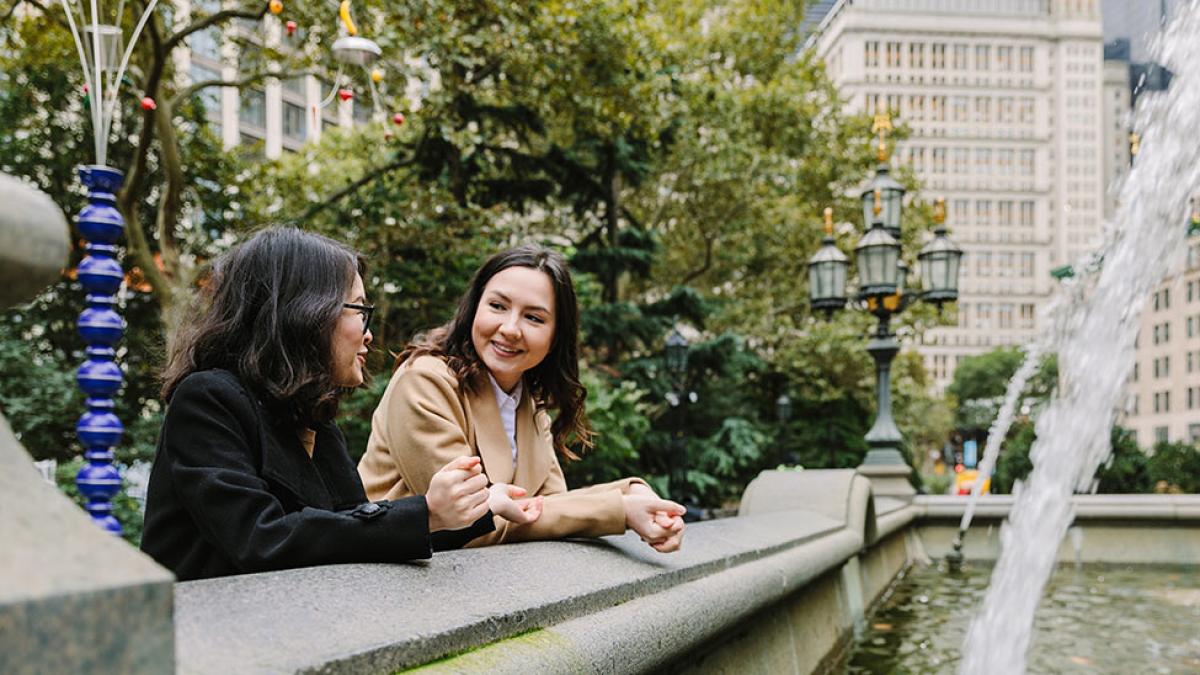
x: 1095, y: 356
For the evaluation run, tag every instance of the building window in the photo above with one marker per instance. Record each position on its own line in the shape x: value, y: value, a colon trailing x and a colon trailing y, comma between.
x: 937, y: 54
x: 1193, y: 433
x: 253, y: 108
x: 916, y: 55
x: 1027, y: 168
x: 983, y: 212
x: 1004, y: 59
x: 893, y: 55
x: 871, y: 54
x: 983, y: 54
x: 1027, y: 267
x: 983, y: 109
x: 1027, y: 314
x: 983, y: 162
x: 939, y: 160
x: 210, y: 97
x: 1026, y: 110
x: 293, y: 121
x: 1026, y: 59
x: 1160, y: 434
x: 983, y: 268
x: 206, y: 43
x: 1027, y: 214
x: 960, y: 57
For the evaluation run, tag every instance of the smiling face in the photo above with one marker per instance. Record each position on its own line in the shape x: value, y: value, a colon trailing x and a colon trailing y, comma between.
x: 349, y: 343
x: 514, y: 323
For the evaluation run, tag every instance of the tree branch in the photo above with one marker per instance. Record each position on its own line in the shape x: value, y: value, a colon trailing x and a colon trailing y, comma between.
x: 191, y: 90
x: 212, y: 20
x: 353, y: 186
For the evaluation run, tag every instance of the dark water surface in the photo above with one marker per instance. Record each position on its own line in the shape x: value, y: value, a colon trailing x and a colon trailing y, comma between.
x: 1094, y: 619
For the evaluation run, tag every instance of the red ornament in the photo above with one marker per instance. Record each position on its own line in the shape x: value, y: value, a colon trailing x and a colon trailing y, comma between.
x: 85, y: 89
x: 345, y: 94
x: 149, y: 104
x: 398, y: 119
x: 291, y: 28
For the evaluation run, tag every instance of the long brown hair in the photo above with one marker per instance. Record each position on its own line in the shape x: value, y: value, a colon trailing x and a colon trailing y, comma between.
x: 266, y: 313
x: 553, y: 383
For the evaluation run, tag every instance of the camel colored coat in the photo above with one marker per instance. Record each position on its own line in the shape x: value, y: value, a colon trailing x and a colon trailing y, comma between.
x: 423, y: 422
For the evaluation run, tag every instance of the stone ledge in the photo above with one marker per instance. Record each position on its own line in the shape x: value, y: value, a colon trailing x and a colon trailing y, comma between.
x: 378, y: 618
x: 612, y: 603
x: 1087, y: 507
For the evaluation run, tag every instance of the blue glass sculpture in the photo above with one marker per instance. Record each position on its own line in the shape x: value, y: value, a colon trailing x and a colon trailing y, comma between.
x: 101, y: 327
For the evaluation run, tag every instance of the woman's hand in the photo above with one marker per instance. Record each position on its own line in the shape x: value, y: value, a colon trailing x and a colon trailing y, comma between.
x: 457, y: 495
x: 659, y: 522
x: 503, y: 501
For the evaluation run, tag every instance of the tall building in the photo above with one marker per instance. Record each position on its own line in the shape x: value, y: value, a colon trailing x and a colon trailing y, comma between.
x: 1003, y: 101
x: 1164, y: 391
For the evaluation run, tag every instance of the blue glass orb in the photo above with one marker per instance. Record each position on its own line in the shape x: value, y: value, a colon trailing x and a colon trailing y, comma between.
x: 97, y: 429
x: 101, y: 178
x: 101, y: 379
x: 100, y: 326
x: 98, y: 481
x: 101, y: 222
x: 101, y: 275
x: 108, y: 523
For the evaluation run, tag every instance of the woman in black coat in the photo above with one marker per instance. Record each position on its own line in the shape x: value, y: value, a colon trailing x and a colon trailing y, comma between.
x: 251, y: 474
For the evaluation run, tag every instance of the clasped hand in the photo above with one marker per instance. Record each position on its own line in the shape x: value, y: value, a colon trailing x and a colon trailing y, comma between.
x: 659, y: 522
x: 459, y: 495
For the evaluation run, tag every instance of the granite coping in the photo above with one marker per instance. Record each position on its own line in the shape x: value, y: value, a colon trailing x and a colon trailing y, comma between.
x: 375, y: 618
x: 1184, y: 508
x: 650, y: 633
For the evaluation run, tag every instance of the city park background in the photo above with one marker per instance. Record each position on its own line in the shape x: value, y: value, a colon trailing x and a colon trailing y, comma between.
x: 681, y: 154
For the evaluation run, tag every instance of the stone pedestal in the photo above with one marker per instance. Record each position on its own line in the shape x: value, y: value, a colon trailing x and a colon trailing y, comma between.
x: 889, y: 475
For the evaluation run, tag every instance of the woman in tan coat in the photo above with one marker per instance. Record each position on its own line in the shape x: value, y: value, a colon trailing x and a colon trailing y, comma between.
x: 485, y: 385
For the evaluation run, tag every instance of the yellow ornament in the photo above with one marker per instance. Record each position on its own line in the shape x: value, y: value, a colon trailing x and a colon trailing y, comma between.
x: 276, y: 6
x: 376, y: 75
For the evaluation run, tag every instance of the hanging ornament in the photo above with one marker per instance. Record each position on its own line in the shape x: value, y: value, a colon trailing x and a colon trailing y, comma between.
x: 376, y: 75
x: 291, y: 28
x: 345, y: 94
x: 398, y: 119
x: 276, y: 6
x: 149, y: 104
x: 387, y: 135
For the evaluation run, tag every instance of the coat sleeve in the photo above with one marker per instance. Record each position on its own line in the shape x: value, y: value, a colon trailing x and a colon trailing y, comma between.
x: 210, y: 439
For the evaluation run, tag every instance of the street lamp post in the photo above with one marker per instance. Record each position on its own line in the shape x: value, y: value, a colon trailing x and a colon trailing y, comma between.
x: 783, y: 413
x: 676, y: 358
x: 882, y: 279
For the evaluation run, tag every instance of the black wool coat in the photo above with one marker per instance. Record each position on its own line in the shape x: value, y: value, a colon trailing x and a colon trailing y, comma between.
x: 233, y: 492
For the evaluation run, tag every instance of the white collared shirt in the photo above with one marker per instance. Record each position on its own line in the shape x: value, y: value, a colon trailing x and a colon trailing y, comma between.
x: 507, y: 403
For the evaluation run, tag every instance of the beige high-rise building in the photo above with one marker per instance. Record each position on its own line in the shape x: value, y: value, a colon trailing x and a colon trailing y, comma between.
x: 1004, y: 102
x: 1164, y: 391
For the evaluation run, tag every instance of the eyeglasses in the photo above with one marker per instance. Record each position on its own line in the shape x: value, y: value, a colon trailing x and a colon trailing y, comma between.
x: 365, y: 310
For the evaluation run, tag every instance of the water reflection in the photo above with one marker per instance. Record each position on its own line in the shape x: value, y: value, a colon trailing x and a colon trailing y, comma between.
x: 1094, y: 619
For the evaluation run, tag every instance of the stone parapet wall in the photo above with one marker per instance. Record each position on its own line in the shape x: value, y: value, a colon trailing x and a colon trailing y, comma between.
x: 1116, y: 529
x: 611, y: 605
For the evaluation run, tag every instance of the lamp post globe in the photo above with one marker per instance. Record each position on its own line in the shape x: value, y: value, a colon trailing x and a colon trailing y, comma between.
x: 677, y: 354
x: 940, y: 260
x: 827, y: 270
x: 783, y: 408
x: 891, y: 195
x: 877, y: 255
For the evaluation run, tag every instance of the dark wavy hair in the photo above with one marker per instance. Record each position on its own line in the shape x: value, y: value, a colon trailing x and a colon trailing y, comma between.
x: 553, y: 383
x: 266, y: 312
